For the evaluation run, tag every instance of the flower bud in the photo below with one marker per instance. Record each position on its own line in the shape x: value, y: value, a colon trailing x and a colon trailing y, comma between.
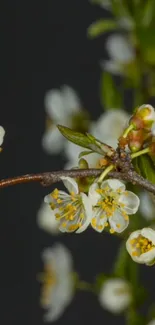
x: 83, y: 164
x: 115, y: 295
x: 143, y: 117
x: 135, y: 140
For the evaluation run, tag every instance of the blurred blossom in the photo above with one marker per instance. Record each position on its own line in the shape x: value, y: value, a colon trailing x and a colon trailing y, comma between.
x: 147, y: 206
x: 62, y: 106
x: 115, y: 295
x: 111, y: 205
x: 107, y: 129
x: 2, y: 133
x: 73, y: 210
x: 120, y: 52
x: 141, y: 246
x: 152, y: 322
x: 46, y: 219
x: 57, y: 281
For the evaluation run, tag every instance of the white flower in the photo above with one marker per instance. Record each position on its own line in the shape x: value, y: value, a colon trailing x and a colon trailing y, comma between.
x: 73, y: 210
x: 111, y: 205
x: 107, y: 128
x: 61, y: 106
x: 120, y: 52
x: 110, y: 126
x: 147, y: 206
x: 115, y: 295
x: 152, y: 322
x: 58, y: 286
x: 141, y: 246
x: 46, y: 219
x: 2, y: 133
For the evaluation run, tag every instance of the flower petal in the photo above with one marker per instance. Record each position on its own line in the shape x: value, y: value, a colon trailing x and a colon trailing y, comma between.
x: 93, y: 195
x: 53, y: 141
x: 87, y: 211
x: 114, y: 184
x: 130, y: 201
x: 70, y: 184
x: 112, y: 67
x: 2, y: 133
x: 118, y: 222
x: 149, y: 233
x: 54, y: 106
x: 72, y: 102
x: 119, y: 49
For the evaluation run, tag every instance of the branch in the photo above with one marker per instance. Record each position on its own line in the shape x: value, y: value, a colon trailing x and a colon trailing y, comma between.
x: 49, y: 178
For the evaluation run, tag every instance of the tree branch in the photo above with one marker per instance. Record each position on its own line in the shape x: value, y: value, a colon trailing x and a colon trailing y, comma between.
x: 49, y: 178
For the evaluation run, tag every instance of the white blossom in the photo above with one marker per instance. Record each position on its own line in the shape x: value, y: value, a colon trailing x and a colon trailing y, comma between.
x: 120, y: 52
x: 141, y: 246
x: 147, y: 206
x: 57, y: 281
x: 46, y: 219
x: 73, y: 210
x: 111, y: 205
x: 2, y: 133
x: 61, y: 106
x: 115, y: 295
x: 107, y: 128
x: 152, y: 322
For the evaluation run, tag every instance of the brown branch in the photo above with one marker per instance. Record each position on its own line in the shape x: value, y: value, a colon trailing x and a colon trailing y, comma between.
x: 49, y: 178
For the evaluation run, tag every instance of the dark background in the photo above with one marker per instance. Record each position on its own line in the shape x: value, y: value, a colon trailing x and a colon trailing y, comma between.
x: 44, y: 46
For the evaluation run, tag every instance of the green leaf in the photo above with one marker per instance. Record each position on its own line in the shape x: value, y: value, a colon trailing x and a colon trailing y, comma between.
x: 101, y: 26
x: 148, y: 12
x: 146, y: 42
x: 145, y: 167
x: 86, y: 141
x: 84, y: 153
x: 110, y: 96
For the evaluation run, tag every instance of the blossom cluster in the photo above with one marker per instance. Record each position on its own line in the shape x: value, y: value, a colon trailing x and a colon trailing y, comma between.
x: 107, y: 204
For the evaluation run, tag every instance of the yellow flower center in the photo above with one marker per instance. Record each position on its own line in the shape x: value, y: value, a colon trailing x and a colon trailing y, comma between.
x: 48, y: 280
x: 141, y: 245
x: 68, y: 209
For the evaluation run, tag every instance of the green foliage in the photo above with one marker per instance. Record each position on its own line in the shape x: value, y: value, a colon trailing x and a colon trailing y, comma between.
x: 146, y: 44
x: 111, y: 98
x: 101, y: 26
x: 145, y: 167
x: 86, y: 141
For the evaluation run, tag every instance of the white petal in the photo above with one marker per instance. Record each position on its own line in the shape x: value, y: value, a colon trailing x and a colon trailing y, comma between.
x: 117, y: 222
x: 70, y: 184
x: 72, y: 151
x: 100, y: 221
x: 53, y: 141
x: 54, y: 106
x: 2, y: 133
x: 131, y: 202
x: 93, y: 195
x: 119, y: 49
x: 71, y: 100
x: 114, y: 184
x: 109, y: 126
x: 46, y: 219
x: 146, y: 258
x: 147, y: 208
x: 112, y: 67
x: 53, y: 313
x: 152, y: 322
x: 88, y: 212
x: 149, y: 233
x: 115, y: 295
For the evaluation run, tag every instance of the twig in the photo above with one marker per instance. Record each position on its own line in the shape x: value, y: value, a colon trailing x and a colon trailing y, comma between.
x: 49, y: 178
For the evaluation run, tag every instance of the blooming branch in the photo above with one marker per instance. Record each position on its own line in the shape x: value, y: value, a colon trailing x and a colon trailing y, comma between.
x: 49, y: 178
